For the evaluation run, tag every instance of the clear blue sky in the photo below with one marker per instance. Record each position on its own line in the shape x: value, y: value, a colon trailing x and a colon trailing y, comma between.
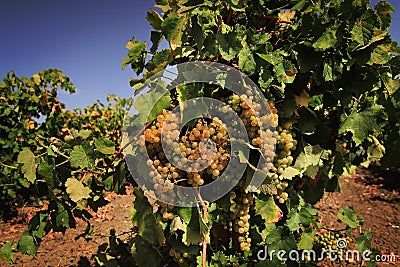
x: 83, y: 38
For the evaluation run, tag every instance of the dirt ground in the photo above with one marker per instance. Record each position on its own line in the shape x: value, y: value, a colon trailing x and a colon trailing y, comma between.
x: 373, y: 194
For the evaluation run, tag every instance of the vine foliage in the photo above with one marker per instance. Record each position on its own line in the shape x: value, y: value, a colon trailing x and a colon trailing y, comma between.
x: 330, y: 70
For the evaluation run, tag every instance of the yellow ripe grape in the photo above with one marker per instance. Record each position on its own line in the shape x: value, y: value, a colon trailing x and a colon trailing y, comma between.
x: 196, y: 177
x: 215, y: 172
x: 160, y: 118
x: 289, y: 145
x: 212, y: 131
x: 165, y: 215
x: 220, y: 167
x: 172, y: 252
x: 31, y: 124
x: 284, y: 195
x: 196, y: 133
x: 206, y: 134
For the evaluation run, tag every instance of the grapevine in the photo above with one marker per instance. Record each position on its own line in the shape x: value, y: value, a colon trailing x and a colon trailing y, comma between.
x: 327, y: 72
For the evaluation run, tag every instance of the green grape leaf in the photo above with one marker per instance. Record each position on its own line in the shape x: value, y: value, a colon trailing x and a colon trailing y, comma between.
x: 364, y: 241
x: 307, y: 215
x: 63, y: 219
x: 38, y: 223
x: 332, y: 70
x: 136, y: 55
x: 327, y: 40
x: 381, y: 55
x: 27, y: 244
x: 158, y: 62
x: 229, y: 45
x: 391, y: 85
x: 184, y: 51
x: 348, y: 216
x: 366, y: 31
x: 391, y: 159
x: 310, y: 159
x: 219, y: 259
x: 151, y: 104
x: 361, y: 123
x: 306, y: 241
x: 146, y: 254
x: 155, y: 38
x: 76, y: 190
x: 246, y: 61
x: 81, y: 157
x: 384, y: 10
x: 268, y: 210
x: 193, y: 233
x: 185, y: 214
x: 104, y: 146
x: 154, y: 19
x: 293, y: 221
x: 173, y: 28
x: 36, y: 78
x: 361, y: 32
x: 6, y: 253
x: 143, y: 217
x: 197, y: 33
x: 27, y: 158
x: 284, y: 70
x: 188, y: 91
x: 178, y: 224
x: 84, y: 134
x: 274, y: 235
x: 290, y: 172
x: 265, y: 79
x: 45, y: 170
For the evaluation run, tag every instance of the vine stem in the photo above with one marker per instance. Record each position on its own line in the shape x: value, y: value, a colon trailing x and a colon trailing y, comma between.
x: 228, y: 20
x: 8, y: 166
x: 3, y: 185
x: 130, y: 141
x: 204, y: 237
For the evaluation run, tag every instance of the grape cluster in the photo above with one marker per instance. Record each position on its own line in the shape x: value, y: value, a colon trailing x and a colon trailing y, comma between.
x: 179, y: 257
x: 240, y: 218
x: 285, y: 145
x: 193, y: 163
x: 259, y: 128
x: 332, y: 241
